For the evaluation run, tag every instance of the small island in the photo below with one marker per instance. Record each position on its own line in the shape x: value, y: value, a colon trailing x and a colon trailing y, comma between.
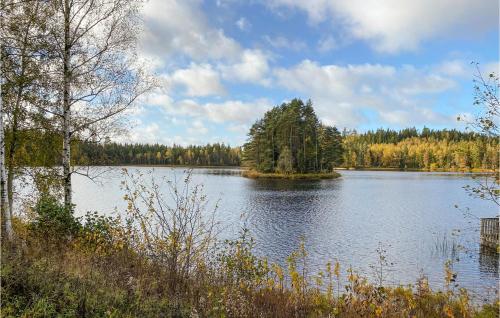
x: 289, y: 142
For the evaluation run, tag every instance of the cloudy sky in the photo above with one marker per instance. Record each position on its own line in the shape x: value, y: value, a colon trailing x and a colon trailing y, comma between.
x: 364, y: 63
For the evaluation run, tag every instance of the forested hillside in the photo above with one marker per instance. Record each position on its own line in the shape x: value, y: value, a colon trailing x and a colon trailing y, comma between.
x: 291, y: 139
x: 428, y: 150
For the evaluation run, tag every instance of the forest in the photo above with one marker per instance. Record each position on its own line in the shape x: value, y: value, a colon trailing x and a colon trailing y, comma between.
x: 291, y: 139
x: 424, y: 150
x: 409, y: 148
x: 112, y: 153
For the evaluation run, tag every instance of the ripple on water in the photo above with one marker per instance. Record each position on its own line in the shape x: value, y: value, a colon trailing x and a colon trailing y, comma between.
x: 345, y: 219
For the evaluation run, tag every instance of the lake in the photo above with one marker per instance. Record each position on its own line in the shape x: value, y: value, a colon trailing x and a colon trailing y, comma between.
x: 412, y: 214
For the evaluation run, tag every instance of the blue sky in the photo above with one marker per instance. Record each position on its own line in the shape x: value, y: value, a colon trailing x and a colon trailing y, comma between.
x: 364, y: 63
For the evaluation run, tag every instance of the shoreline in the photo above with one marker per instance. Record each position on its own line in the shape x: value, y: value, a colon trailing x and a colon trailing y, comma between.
x: 242, y: 168
x: 252, y: 174
x: 163, y: 166
x: 419, y: 170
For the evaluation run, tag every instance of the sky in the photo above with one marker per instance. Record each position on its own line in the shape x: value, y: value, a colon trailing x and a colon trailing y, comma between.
x: 365, y: 64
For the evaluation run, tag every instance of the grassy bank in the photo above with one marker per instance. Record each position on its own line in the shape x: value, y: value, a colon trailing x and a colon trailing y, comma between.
x: 252, y: 174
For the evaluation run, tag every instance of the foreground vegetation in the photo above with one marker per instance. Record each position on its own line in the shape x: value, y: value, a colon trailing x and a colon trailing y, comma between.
x: 163, y: 260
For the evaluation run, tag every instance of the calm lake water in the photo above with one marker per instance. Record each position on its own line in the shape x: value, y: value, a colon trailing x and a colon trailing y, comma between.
x: 412, y: 214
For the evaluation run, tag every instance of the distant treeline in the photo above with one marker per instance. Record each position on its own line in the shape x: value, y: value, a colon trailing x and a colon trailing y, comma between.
x: 383, y: 148
x: 112, y: 153
x: 427, y: 149
x: 409, y: 148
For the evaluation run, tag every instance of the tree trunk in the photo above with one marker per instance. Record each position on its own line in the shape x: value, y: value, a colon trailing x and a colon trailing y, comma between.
x: 4, y: 201
x: 316, y: 150
x: 66, y: 155
x: 15, y: 125
x: 272, y: 142
x: 304, y: 165
x: 10, y: 164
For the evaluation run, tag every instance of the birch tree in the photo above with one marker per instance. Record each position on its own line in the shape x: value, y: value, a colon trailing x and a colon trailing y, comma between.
x: 4, y: 208
x: 23, y: 49
x: 95, y: 73
x: 487, y: 121
x: 4, y: 202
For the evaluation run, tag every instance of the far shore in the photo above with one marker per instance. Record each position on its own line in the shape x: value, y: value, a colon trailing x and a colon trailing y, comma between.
x: 335, y: 169
x: 418, y: 170
x: 165, y: 166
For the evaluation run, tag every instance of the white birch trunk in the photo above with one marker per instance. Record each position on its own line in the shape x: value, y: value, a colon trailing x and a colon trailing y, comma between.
x: 4, y: 202
x: 66, y: 155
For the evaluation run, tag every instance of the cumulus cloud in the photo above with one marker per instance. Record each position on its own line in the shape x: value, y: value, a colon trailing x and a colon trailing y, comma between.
x: 232, y: 111
x: 153, y: 132
x: 342, y: 93
x: 252, y: 67
x: 198, y: 80
x: 397, y: 25
x: 173, y: 26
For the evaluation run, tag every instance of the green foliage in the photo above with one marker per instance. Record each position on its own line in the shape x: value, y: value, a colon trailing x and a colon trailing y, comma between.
x: 110, y: 153
x: 290, y: 139
x: 99, y: 233
x: 53, y: 220
x: 285, y: 161
x: 238, y: 262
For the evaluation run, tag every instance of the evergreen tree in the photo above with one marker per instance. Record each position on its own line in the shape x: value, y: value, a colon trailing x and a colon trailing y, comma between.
x: 290, y: 138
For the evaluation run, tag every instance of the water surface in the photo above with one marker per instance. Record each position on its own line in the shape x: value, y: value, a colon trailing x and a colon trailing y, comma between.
x: 412, y: 214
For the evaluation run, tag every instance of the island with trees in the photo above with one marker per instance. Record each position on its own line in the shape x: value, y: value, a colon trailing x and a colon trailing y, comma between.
x: 291, y: 142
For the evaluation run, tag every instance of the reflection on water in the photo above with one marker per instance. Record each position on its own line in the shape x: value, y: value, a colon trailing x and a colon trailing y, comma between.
x: 488, y: 262
x: 345, y: 219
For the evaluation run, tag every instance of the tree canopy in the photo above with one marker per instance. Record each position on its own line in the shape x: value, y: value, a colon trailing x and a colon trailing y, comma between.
x: 291, y: 139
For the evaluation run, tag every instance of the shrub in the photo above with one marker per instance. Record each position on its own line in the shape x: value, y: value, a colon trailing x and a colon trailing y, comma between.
x: 53, y: 220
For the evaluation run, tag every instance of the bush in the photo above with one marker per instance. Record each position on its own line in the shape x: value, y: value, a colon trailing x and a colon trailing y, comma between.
x: 53, y: 220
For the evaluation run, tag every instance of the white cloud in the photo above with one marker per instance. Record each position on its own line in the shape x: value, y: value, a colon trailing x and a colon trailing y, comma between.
x: 233, y: 111
x: 456, y: 68
x: 198, y: 80
x: 252, y: 67
x: 154, y: 133
x: 327, y: 44
x: 197, y: 128
x: 341, y: 93
x: 281, y: 42
x: 243, y: 24
x: 397, y: 25
x: 173, y: 26
x: 241, y: 129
